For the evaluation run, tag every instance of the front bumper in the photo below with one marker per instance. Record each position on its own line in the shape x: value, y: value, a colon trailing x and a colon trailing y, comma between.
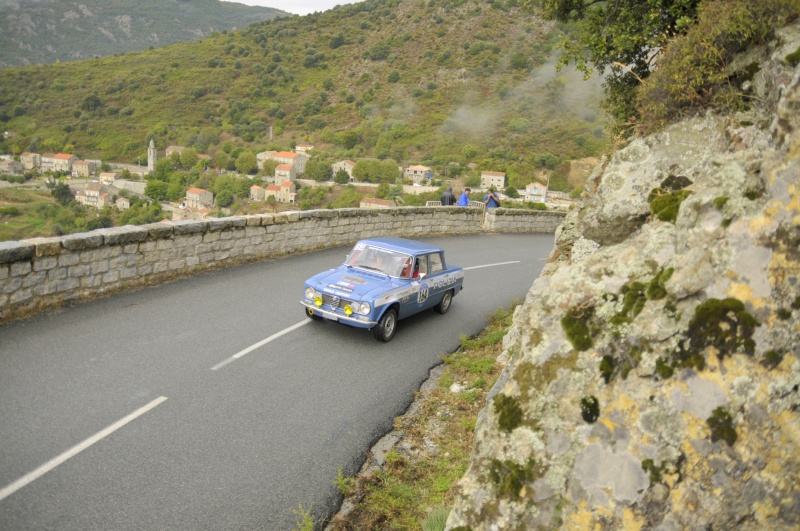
x: 360, y: 321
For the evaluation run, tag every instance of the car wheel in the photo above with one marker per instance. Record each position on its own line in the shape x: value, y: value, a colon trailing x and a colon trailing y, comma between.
x: 444, y: 304
x: 312, y: 315
x: 386, y: 327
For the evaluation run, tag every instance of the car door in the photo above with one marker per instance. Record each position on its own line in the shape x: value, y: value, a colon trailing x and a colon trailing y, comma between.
x: 435, y: 278
x: 431, y: 268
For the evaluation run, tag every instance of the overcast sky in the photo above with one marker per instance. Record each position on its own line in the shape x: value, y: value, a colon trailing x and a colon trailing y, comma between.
x: 298, y: 7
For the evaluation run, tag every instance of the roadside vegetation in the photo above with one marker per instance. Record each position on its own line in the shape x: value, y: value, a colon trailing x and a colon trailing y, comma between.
x: 416, y: 486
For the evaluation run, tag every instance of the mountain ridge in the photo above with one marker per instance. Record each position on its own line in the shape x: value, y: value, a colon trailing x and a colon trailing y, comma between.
x: 50, y: 31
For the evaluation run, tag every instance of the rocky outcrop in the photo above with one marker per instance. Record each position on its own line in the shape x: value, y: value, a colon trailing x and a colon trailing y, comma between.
x: 654, y: 367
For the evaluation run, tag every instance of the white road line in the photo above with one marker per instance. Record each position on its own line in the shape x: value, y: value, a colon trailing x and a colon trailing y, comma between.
x: 260, y: 344
x: 75, y: 450
x: 492, y: 265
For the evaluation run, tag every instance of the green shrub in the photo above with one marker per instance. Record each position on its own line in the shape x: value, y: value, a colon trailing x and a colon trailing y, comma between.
x: 693, y: 72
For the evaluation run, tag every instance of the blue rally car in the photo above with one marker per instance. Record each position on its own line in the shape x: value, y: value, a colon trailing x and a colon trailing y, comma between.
x: 381, y: 281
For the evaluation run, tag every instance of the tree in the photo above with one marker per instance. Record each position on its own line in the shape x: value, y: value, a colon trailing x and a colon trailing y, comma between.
x: 341, y: 177
x: 319, y: 169
x: 62, y: 193
x: 164, y: 169
x: 246, y: 162
x: 224, y: 199
x: 511, y: 192
x: 621, y: 38
x: 157, y: 190
x: 269, y: 166
x: 222, y: 159
x: 189, y: 158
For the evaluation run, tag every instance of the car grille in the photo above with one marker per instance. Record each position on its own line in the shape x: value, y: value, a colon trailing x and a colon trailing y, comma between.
x: 334, y: 301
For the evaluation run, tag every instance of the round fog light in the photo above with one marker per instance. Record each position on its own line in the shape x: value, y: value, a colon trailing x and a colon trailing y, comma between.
x: 348, y: 310
x: 318, y: 301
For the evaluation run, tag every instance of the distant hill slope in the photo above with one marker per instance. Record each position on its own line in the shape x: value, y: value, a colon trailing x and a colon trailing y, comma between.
x: 48, y: 31
x: 446, y: 83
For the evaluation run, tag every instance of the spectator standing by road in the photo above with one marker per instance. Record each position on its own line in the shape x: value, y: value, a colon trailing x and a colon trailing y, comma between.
x: 448, y: 198
x: 463, y: 200
x: 491, y: 200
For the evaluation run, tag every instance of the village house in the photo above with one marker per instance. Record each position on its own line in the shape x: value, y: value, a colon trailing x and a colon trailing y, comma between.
x: 123, y: 203
x: 180, y: 149
x: 30, y: 161
x: 298, y: 160
x: 418, y: 174
x: 11, y: 167
x: 493, y: 178
x: 535, y: 192
x: 257, y: 193
x: 346, y: 165
x: 197, y: 198
x: 107, y: 177
x: 83, y: 168
x: 284, y: 172
x: 179, y: 214
x: 63, y: 162
x: 287, y: 192
x: 174, y: 149
x: 561, y: 196
x: 94, y: 195
x: 272, y: 191
x: 303, y: 147
x: 374, y: 202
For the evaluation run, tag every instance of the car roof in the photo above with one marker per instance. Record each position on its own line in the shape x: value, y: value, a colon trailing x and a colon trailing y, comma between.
x: 402, y: 245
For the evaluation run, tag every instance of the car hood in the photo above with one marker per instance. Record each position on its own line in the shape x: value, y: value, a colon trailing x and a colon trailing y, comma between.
x: 352, y: 283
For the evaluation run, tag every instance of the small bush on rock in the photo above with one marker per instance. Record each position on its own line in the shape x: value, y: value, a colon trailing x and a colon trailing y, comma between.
x: 721, y: 424
x: 590, y: 409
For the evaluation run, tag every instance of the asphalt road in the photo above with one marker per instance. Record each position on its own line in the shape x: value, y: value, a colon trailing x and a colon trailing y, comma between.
x: 212, y: 402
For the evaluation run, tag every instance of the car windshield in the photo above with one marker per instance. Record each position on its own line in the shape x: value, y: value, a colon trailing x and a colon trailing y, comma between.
x: 392, y: 263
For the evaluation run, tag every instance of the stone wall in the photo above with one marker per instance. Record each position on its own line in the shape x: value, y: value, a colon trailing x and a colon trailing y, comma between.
x: 45, y: 272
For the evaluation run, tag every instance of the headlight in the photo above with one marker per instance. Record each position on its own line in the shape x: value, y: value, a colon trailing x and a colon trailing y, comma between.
x: 363, y: 308
x: 309, y: 293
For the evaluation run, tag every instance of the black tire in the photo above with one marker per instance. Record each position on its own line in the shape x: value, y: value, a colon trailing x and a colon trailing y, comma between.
x: 311, y: 314
x: 386, y: 327
x: 445, y: 303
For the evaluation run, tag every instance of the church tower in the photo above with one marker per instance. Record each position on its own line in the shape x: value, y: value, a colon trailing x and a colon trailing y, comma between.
x: 151, y: 156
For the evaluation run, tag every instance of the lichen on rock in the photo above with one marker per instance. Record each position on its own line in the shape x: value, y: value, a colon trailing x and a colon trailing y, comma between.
x: 684, y: 332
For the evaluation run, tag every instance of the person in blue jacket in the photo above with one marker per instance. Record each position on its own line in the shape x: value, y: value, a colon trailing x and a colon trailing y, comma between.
x: 463, y: 199
x: 491, y: 200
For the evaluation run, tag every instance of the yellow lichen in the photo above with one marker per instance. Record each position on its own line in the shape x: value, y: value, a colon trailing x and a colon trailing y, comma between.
x: 582, y: 519
x: 608, y: 423
x: 759, y: 223
x: 631, y: 521
x: 790, y: 427
x: 743, y: 292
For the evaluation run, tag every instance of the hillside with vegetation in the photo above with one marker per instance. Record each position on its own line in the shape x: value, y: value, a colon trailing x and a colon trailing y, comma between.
x: 444, y: 83
x: 50, y: 31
